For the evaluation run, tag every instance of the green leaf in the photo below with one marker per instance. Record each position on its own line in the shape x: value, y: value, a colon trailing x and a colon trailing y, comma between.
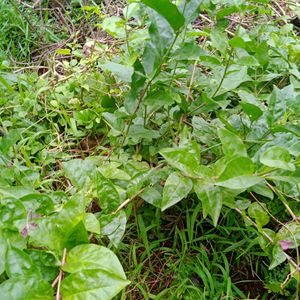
x: 12, y: 137
x: 232, y: 145
x: 219, y: 40
x: 113, y: 226
x: 277, y: 104
x: 75, y: 236
x: 109, y: 198
x: 262, y: 189
x: 290, y: 233
x: 185, y: 159
x: 190, y: 9
x: 92, y: 284
x: 277, y: 157
x: 159, y: 98
x: 14, y: 238
x: 91, y: 257
x: 240, y: 182
x: 257, y: 212
x: 253, y: 111
x: 79, y: 172
x: 234, y: 77
x: 26, y: 288
x: 176, y: 188
x: 137, y: 83
x: 92, y: 223
x: 152, y: 196
x: 18, y: 263
x: 137, y: 132
x: 236, y: 167
x: 161, y: 38
x: 51, y: 231
x: 188, y: 51
x: 122, y: 72
x: 278, y: 257
x: 114, y: 26
x: 168, y: 10
x: 211, y: 198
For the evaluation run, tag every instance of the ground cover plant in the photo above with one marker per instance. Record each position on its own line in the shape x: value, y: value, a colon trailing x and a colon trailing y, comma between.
x: 149, y: 150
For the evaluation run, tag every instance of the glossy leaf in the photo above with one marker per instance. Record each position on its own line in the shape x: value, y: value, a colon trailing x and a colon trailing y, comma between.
x: 232, y: 145
x: 277, y: 104
x: 152, y: 196
x: 18, y: 263
x: 90, y: 257
x: 51, y: 231
x: 240, y: 182
x: 138, y: 79
x: 278, y: 257
x: 92, y: 284
x: 176, y: 188
x: 109, y: 198
x: 91, y: 223
x: 26, y: 288
x: 79, y: 171
x: 211, y: 198
x: 235, y: 76
x: 75, y: 236
x: 159, y: 98
x: 122, y: 72
x: 277, y: 157
x: 161, y: 38
x: 185, y: 159
x: 168, y: 10
x: 190, y: 9
x: 236, y: 167
x: 257, y: 212
x: 113, y: 226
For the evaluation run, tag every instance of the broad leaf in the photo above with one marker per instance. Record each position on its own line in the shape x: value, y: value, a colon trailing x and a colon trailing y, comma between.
x: 168, y: 10
x: 278, y: 257
x: 236, y: 167
x: 234, y: 77
x: 176, y: 188
x: 113, y: 226
x: 91, y: 223
x: 257, y: 212
x: 18, y: 263
x: 75, y: 236
x: 211, y: 198
x: 51, y: 231
x: 138, y: 79
x: 109, y: 198
x: 159, y: 98
x: 240, y: 182
x: 122, y: 72
x: 277, y: 157
x: 79, y: 171
x: 185, y: 159
x: 161, y: 38
x: 190, y: 9
x: 90, y: 257
x: 232, y: 145
x: 92, y: 284
x: 26, y: 288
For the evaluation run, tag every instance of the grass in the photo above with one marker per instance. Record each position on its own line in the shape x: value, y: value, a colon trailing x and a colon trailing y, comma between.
x: 182, y: 256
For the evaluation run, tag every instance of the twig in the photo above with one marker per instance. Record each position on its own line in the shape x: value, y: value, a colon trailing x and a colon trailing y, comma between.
x: 188, y: 97
x: 210, y: 21
x: 60, y: 276
x: 123, y: 204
